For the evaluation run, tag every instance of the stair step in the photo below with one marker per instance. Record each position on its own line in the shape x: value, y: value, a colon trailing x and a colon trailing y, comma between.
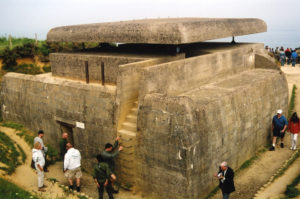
x: 131, y: 118
x: 136, y: 103
x: 127, y: 144
x: 127, y: 134
x: 129, y: 126
x: 134, y: 110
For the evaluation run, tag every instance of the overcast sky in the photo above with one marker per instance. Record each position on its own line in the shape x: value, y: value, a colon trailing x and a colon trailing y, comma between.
x: 26, y: 17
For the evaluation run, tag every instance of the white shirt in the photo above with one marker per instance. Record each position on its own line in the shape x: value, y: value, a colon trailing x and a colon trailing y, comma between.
x: 72, y: 159
x: 40, y: 140
x: 38, y: 158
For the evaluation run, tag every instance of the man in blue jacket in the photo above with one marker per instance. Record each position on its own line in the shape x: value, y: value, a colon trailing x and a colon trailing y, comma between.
x: 279, y: 125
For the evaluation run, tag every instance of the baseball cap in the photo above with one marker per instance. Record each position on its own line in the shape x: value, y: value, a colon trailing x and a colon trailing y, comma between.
x: 279, y: 111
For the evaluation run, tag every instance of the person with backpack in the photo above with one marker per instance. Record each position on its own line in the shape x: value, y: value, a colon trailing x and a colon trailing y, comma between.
x: 102, y: 176
x: 294, y: 128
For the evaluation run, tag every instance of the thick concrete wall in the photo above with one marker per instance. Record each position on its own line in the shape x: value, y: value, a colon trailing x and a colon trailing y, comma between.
x: 39, y: 101
x: 71, y: 65
x: 182, y: 139
x: 179, y: 76
x: 128, y: 83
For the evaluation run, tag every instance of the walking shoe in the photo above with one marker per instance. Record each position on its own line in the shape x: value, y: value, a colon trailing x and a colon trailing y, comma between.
x: 291, y: 148
x: 41, y: 189
x: 272, y: 148
x: 44, y: 186
x: 78, y: 189
x: 71, y: 187
x: 281, y: 145
x: 115, y: 191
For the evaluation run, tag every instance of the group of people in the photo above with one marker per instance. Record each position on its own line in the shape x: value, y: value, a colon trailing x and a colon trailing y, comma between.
x: 280, y: 125
x: 103, y: 173
x: 286, y: 56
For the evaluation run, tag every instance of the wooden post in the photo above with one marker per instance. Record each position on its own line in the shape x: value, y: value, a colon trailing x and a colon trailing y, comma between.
x: 87, y: 78
x: 102, y: 73
x: 10, y: 42
x: 36, y: 41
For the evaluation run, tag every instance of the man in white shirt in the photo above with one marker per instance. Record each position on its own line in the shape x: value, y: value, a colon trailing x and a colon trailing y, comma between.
x: 39, y: 163
x: 72, y: 163
x: 44, y: 149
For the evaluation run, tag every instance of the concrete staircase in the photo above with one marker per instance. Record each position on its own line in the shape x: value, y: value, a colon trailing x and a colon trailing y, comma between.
x: 128, y: 141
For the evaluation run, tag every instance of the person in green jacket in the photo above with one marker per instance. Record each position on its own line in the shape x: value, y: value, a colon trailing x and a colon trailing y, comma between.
x: 62, y: 145
x: 110, y: 152
x: 102, y: 176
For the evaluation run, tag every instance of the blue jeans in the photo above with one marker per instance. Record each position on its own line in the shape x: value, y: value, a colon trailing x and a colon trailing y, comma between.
x: 293, y: 62
x: 225, y: 195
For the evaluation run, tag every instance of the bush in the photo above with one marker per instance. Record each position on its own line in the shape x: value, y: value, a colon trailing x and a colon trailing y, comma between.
x: 26, y: 69
x: 47, y: 69
x: 292, y: 192
x: 25, y: 50
x: 9, y: 59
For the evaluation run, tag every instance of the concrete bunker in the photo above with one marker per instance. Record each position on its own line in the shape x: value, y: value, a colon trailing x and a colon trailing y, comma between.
x: 180, y: 104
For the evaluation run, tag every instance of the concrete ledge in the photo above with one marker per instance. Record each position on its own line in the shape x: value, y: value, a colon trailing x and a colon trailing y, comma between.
x: 158, y: 31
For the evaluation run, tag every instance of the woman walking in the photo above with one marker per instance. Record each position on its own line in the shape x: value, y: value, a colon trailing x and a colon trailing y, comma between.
x: 294, y: 128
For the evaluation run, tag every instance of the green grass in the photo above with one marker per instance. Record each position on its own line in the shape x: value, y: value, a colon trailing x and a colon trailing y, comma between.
x: 291, y: 190
x: 23, y: 155
x: 28, y: 136
x: 8, y: 154
x: 26, y: 69
x: 292, y: 102
x: 9, y: 190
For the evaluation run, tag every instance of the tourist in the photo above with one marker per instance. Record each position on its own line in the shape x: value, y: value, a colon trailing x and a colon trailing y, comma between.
x: 282, y: 56
x: 294, y: 128
x: 39, y: 163
x: 288, y: 54
x: 108, y: 155
x: 72, y: 166
x: 294, y: 57
x: 63, y: 145
x: 225, y: 176
x: 102, y: 176
x: 279, y: 125
x: 39, y: 139
x: 110, y: 152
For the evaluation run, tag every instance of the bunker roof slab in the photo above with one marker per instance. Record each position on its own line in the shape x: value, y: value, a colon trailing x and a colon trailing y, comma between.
x: 158, y: 31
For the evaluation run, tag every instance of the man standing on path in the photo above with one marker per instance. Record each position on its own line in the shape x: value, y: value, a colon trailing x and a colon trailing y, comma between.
x: 63, y: 145
x: 39, y: 163
x: 279, y: 125
x: 226, y: 183
x: 102, y: 176
x: 72, y: 166
x: 44, y: 149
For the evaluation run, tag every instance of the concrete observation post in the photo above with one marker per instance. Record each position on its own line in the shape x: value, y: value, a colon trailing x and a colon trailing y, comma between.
x: 180, y: 104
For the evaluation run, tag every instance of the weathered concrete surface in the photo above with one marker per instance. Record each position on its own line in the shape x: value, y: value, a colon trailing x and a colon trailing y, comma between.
x: 182, y: 139
x: 40, y: 102
x: 158, y: 31
x: 71, y: 65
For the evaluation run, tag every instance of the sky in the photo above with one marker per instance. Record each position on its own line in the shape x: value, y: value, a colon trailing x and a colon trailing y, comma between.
x: 24, y: 18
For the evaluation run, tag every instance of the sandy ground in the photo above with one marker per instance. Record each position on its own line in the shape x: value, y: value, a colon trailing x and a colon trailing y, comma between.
x: 26, y: 177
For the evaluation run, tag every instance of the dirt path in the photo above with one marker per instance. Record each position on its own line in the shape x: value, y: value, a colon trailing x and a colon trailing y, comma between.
x: 26, y: 177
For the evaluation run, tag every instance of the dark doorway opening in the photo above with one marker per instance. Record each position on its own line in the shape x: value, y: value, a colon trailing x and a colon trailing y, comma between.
x: 68, y: 128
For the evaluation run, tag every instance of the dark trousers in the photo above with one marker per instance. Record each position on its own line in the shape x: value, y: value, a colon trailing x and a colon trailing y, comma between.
x: 225, y: 195
x: 109, y: 191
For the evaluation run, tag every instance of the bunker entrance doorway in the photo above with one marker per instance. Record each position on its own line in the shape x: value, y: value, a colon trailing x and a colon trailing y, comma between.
x: 67, y: 128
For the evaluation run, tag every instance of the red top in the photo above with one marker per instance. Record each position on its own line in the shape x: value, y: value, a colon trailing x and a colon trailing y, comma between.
x: 294, y: 127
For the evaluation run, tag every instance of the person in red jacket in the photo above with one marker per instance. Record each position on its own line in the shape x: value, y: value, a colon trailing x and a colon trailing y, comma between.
x: 294, y: 128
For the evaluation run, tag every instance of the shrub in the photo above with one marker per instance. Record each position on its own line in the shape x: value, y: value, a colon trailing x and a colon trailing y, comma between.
x: 9, y: 59
x: 47, y: 69
x: 26, y: 69
x: 292, y: 192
